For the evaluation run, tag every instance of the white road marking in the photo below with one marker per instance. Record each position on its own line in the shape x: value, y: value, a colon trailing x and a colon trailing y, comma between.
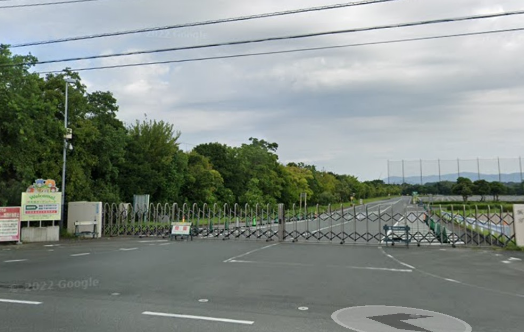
x: 203, y: 300
x: 389, y: 207
x: 465, y: 284
x: 506, y: 262
x: 379, y: 204
x: 152, y: 241
x: 379, y: 269
x: 270, y: 263
x: 164, y: 244
x: 19, y: 302
x: 321, y: 229
x: 213, y: 319
x: 514, y: 259
x: 407, y: 265
x: 115, y: 294
x: 396, y: 260
x: 249, y: 252
x: 453, y: 280
x: 370, y: 268
x: 15, y: 261
x: 82, y: 254
x: 127, y: 249
x: 303, y: 308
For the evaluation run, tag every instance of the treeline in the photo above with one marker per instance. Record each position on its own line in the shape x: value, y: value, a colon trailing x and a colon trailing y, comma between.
x: 111, y: 161
x: 465, y: 187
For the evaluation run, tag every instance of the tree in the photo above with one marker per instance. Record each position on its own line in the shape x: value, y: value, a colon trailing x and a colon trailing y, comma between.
x: 346, y: 187
x: 29, y: 130
x: 296, y: 183
x: 202, y: 182
x: 482, y: 188
x: 154, y: 163
x: 464, y: 188
x: 253, y: 194
x: 224, y: 160
x: 497, y: 189
x: 259, y: 161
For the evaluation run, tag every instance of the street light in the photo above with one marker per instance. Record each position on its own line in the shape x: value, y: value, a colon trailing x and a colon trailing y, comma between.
x: 66, y: 137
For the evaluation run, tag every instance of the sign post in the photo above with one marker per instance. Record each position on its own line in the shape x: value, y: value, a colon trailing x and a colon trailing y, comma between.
x: 518, y: 223
x: 10, y: 224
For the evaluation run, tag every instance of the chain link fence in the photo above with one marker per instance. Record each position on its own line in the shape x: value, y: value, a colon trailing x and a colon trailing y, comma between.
x: 505, y: 170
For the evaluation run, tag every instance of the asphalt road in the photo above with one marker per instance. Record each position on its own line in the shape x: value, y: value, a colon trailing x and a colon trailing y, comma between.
x: 208, y: 285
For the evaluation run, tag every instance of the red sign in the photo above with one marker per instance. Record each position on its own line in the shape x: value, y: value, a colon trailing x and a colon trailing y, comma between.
x: 9, y: 224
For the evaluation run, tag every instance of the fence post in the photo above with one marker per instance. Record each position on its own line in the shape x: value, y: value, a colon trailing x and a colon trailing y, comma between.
x: 281, y: 222
x: 489, y: 227
x: 477, y: 227
x: 465, y: 221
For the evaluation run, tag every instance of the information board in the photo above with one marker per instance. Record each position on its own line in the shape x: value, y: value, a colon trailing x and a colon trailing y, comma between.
x: 518, y: 213
x: 41, y: 206
x: 9, y: 224
x: 180, y: 228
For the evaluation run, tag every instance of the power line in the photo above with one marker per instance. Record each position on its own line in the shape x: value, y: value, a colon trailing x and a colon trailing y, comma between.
x: 44, y: 4
x: 210, y: 22
x: 252, y: 41
x: 290, y: 51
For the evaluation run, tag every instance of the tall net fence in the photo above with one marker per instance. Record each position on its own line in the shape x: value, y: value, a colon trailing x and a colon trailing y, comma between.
x: 506, y: 170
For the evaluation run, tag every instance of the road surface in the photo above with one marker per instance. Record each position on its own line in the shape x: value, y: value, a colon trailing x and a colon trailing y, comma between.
x: 208, y: 285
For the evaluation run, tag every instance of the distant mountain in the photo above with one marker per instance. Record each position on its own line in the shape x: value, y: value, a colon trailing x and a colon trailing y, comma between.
x: 506, y: 178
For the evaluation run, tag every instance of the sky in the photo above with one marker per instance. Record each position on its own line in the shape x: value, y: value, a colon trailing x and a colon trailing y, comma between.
x: 345, y: 110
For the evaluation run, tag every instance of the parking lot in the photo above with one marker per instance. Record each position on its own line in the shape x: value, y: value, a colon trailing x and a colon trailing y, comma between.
x: 132, y: 284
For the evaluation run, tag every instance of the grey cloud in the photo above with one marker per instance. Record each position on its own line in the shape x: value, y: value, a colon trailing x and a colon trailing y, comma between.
x: 348, y: 110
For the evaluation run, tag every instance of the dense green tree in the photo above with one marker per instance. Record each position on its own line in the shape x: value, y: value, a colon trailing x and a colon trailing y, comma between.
x: 224, y: 160
x: 202, y: 182
x: 296, y: 184
x: 497, y: 189
x: 259, y: 161
x: 29, y: 130
x: 154, y: 163
x: 464, y: 188
x: 482, y: 188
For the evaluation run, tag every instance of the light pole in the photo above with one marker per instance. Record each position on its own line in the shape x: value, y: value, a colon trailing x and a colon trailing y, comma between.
x: 66, y: 137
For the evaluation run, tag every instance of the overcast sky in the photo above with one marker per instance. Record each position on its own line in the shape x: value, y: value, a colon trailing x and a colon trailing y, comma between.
x: 346, y: 110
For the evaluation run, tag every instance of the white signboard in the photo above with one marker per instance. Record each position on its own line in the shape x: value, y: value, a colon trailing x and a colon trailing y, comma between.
x: 180, y: 228
x: 9, y: 224
x: 518, y: 213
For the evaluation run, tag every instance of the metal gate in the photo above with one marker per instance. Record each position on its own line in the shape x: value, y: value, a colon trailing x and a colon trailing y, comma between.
x: 424, y: 224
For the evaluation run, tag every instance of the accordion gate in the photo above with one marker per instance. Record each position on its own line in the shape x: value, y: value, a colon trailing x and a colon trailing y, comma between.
x: 430, y: 225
